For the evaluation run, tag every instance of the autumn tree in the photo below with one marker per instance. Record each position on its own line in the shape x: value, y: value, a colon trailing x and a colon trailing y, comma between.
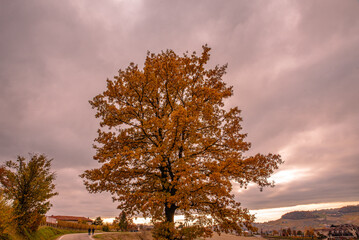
x: 289, y: 232
x: 309, y: 232
x: 28, y: 184
x: 168, y: 145
x: 5, y: 217
x: 5, y: 209
x: 115, y: 224
x: 82, y: 221
x: 98, y: 221
x: 123, y: 222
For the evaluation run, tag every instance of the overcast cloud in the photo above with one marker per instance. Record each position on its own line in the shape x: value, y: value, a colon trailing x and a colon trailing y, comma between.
x: 294, y: 66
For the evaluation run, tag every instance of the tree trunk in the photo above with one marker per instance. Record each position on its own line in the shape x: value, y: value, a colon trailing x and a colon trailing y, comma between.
x: 170, y: 213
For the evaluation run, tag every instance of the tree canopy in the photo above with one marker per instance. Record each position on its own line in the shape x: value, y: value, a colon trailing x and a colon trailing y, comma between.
x: 28, y: 184
x: 167, y: 144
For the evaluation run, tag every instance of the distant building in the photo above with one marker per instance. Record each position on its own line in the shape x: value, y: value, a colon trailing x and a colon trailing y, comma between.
x: 146, y: 227
x: 72, y: 219
x: 336, y: 232
x: 51, y: 220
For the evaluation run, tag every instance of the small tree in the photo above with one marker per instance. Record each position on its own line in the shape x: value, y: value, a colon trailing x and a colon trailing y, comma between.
x: 289, y: 232
x: 167, y: 144
x: 115, y: 224
x: 5, y: 216
x: 29, y: 185
x: 98, y: 221
x: 106, y: 228
x: 309, y: 232
x: 123, y: 222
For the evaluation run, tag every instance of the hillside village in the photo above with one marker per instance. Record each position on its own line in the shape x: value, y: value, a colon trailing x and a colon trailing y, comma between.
x: 328, y: 223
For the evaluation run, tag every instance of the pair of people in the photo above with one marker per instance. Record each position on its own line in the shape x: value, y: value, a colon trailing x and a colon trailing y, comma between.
x: 91, y: 230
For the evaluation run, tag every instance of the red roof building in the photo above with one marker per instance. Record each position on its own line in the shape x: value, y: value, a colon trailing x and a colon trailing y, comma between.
x: 72, y: 219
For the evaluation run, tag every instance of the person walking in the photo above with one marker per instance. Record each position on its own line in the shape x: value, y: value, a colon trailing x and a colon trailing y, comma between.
x: 89, y: 231
x: 93, y: 230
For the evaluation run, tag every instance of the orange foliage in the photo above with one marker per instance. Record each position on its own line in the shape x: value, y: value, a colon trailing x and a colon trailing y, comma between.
x: 74, y: 225
x: 167, y: 144
x: 3, y: 179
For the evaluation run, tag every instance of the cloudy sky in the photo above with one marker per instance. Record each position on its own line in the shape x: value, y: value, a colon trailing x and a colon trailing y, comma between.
x: 294, y: 66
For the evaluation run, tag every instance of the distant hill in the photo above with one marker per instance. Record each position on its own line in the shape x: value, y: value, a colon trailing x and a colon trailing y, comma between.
x: 349, y: 209
x: 302, y: 220
x: 300, y: 215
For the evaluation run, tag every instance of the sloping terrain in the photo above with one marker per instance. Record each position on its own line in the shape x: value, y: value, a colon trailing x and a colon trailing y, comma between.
x: 302, y: 220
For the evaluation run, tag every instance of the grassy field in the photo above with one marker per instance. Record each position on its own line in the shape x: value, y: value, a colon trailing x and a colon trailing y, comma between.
x: 147, y: 236
x: 49, y: 233
x: 288, y: 238
x: 44, y: 233
x: 125, y: 236
x: 225, y: 236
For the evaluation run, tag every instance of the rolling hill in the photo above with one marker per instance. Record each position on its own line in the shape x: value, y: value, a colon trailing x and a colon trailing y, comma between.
x: 302, y: 220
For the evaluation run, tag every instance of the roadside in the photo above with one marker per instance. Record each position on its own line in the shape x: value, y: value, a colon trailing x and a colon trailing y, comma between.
x: 148, y: 236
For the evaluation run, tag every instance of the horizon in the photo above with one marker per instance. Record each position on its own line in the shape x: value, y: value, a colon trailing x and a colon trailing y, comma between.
x: 293, y: 65
x: 262, y: 215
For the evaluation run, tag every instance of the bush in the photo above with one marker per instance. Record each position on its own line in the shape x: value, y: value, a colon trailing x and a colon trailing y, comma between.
x: 4, y: 236
x: 166, y: 230
x: 105, y: 228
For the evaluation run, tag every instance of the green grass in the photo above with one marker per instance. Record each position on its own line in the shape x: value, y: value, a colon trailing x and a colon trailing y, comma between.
x: 48, y: 233
x: 44, y: 233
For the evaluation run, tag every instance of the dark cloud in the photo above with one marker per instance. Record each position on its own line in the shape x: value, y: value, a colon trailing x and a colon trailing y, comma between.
x: 293, y: 64
x: 319, y: 185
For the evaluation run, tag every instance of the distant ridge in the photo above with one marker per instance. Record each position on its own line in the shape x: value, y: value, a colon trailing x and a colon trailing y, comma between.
x: 299, y: 215
x: 302, y: 220
x: 319, y: 213
x: 349, y: 209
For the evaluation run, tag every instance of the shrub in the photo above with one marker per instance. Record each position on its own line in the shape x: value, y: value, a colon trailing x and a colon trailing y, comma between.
x: 105, y: 228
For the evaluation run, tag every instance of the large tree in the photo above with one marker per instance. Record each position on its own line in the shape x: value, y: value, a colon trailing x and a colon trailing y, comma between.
x: 168, y: 145
x: 28, y: 184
